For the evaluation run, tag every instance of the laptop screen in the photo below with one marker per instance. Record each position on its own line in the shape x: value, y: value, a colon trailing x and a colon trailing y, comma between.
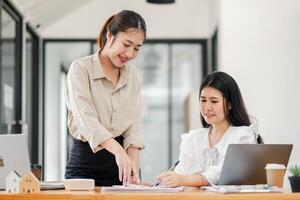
x: 13, y: 156
x: 244, y: 164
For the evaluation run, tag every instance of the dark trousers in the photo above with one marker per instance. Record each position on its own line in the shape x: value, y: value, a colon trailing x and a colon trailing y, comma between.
x: 100, y: 166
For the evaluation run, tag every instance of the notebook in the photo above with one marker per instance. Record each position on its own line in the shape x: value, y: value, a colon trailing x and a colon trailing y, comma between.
x: 52, y: 185
x: 14, y: 156
x: 244, y: 164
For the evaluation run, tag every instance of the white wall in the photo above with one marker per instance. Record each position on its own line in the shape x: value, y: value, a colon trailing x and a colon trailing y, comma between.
x: 52, y: 116
x: 55, y: 116
x: 184, y: 19
x: 260, y: 46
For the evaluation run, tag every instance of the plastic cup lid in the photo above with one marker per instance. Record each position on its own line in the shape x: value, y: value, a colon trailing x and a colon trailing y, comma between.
x: 275, y: 166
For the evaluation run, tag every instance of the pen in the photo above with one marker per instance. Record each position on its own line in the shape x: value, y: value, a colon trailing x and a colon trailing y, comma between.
x: 171, y: 169
x: 173, y: 166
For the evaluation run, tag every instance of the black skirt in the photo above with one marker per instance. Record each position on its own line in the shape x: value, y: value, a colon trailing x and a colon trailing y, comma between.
x: 100, y: 166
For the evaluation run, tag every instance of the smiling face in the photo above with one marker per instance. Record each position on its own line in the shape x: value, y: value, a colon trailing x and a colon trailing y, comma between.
x: 212, y: 104
x: 124, y: 46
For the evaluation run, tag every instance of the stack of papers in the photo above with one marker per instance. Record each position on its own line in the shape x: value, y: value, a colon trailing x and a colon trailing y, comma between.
x: 142, y: 188
x: 52, y: 185
x: 242, y: 188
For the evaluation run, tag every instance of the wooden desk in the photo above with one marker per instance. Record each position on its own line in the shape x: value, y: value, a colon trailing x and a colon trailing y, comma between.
x: 190, y: 194
x: 53, y: 195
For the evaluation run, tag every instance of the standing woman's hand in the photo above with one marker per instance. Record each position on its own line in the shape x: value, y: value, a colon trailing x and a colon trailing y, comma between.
x: 133, y: 153
x: 123, y: 161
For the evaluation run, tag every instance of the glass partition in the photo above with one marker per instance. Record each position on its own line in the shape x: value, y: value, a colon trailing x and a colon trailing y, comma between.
x: 153, y: 65
x: 10, y: 72
x: 169, y: 72
x: 186, y: 76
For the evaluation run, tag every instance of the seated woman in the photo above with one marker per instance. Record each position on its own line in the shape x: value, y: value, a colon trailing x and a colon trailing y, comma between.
x: 225, y: 121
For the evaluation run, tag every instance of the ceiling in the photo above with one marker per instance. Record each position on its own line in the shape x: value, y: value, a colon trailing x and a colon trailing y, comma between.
x: 84, y: 18
x: 44, y: 13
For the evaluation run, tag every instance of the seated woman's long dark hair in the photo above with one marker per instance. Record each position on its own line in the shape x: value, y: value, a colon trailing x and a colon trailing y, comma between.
x: 223, y: 82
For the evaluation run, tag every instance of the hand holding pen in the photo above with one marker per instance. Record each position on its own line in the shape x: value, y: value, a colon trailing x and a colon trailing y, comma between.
x: 168, y: 178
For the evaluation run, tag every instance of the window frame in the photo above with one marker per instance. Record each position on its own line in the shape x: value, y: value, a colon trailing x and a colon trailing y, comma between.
x: 17, y: 17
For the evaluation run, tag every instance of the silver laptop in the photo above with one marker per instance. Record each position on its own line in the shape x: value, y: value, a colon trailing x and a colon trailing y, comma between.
x: 244, y: 164
x: 13, y: 156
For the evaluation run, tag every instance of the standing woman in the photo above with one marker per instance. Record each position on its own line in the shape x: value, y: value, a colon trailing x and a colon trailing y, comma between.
x: 103, y: 95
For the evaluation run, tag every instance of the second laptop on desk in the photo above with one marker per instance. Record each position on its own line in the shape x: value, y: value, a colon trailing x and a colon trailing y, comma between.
x: 244, y: 164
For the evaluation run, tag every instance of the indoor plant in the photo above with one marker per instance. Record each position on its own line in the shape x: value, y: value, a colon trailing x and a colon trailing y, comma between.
x: 295, y: 178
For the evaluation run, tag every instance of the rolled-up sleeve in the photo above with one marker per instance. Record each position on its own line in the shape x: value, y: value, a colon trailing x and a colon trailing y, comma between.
x: 83, y: 120
x: 212, y: 173
x: 132, y: 136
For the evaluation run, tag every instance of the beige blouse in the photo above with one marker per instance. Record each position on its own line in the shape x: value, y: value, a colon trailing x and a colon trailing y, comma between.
x: 97, y: 110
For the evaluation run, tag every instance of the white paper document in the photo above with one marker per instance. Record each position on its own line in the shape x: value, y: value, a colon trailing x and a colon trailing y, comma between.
x: 142, y: 188
x: 242, y: 188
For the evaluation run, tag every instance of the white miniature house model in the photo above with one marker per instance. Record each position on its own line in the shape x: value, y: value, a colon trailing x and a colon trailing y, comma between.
x: 25, y: 184
x: 13, y: 180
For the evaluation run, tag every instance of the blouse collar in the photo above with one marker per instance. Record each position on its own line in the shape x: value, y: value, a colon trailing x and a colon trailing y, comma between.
x: 98, y: 72
x: 221, y: 143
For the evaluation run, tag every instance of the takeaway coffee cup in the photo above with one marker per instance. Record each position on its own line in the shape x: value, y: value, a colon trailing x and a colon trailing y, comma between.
x: 275, y: 173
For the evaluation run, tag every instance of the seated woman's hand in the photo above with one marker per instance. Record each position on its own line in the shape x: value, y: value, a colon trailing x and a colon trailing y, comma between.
x: 169, y: 179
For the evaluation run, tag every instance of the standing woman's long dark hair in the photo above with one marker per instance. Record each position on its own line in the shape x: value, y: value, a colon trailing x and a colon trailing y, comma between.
x: 122, y: 21
x: 237, y: 115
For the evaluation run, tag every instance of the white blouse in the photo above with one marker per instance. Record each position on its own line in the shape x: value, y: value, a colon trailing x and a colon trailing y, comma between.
x: 196, y: 156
